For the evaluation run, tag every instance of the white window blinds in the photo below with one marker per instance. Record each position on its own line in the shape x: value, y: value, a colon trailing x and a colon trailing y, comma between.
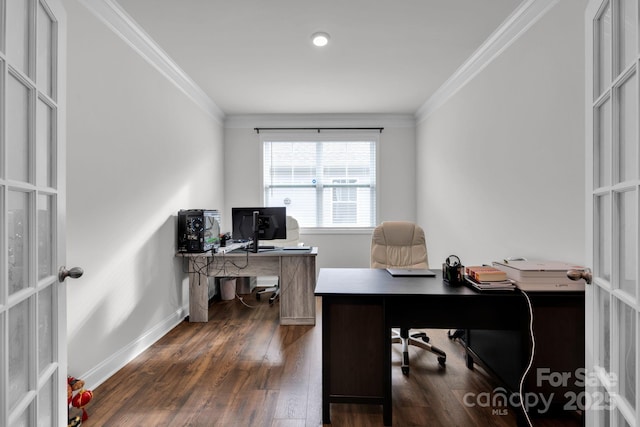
x: 322, y: 182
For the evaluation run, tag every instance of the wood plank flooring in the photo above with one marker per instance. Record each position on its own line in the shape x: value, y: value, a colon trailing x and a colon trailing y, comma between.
x: 243, y: 369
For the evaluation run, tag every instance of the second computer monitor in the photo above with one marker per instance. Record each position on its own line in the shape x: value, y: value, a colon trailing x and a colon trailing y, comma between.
x: 270, y: 225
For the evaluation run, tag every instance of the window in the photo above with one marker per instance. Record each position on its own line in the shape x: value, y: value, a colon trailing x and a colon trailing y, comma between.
x: 323, y: 181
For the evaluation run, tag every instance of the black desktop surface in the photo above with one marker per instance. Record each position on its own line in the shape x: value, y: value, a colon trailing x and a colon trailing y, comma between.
x: 421, y: 302
x: 377, y: 281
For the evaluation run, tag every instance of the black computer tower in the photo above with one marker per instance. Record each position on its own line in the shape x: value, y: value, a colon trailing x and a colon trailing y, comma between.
x: 198, y: 230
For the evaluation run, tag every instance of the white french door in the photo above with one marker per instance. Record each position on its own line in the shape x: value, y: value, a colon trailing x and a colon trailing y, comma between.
x: 613, y: 212
x: 32, y: 302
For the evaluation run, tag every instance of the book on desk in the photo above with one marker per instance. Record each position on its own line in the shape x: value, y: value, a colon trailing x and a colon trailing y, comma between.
x: 487, y: 278
x: 485, y: 273
x: 539, y: 276
x: 502, y: 285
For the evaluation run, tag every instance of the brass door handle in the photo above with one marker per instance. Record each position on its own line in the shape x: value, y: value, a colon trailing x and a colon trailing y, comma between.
x: 74, y: 273
x: 581, y: 274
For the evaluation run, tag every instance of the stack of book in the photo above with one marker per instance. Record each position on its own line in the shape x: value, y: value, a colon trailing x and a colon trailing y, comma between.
x: 541, y: 275
x: 487, y: 278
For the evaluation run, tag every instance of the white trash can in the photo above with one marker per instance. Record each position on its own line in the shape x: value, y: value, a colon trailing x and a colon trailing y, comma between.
x: 227, y: 288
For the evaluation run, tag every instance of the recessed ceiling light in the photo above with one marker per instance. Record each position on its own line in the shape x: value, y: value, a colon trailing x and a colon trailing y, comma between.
x: 320, y: 39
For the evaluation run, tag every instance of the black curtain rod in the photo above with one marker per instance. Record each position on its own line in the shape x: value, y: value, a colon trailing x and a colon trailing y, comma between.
x: 317, y: 129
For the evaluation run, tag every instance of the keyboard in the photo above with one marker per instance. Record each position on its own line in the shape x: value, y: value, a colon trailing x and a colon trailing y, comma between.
x: 296, y: 248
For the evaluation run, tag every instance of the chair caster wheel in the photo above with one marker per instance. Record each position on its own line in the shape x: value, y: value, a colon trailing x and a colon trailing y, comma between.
x: 422, y: 336
x: 405, y: 370
x: 442, y: 361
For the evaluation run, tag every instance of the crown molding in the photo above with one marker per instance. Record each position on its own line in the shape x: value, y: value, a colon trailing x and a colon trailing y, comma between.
x: 112, y: 14
x: 527, y: 14
x: 242, y: 121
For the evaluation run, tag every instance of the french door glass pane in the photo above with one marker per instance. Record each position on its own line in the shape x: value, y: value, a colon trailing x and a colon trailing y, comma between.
x: 43, y: 144
x: 17, y: 19
x: 602, y: 328
x: 44, y: 62
x: 24, y: 420
x: 604, y: 50
x: 628, y: 134
x: 45, y: 236
x: 628, y: 229
x: 18, y: 232
x: 602, y: 250
x: 628, y: 30
x: 602, y: 145
x: 603, y: 416
x: 624, y: 422
x: 46, y: 414
x: 18, y: 352
x: 45, y: 328
x: 17, y: 130
x: 626, y: 353
x: 620, y: 420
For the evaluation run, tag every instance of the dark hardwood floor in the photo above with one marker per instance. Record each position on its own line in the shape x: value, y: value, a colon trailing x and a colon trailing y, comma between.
x: 243, y: 369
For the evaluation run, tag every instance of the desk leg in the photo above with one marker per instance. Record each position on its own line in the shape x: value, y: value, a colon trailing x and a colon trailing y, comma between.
x: 297, y: 286
x: 198, y: 290
x: 326, y: 366
x: 387, y: 406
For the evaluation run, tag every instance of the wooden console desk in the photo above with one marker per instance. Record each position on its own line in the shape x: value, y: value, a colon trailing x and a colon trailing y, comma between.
x: 296, y: 269
x: 359, y: 308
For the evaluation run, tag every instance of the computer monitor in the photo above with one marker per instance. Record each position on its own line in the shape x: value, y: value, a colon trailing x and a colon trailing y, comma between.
x: 265, y: 223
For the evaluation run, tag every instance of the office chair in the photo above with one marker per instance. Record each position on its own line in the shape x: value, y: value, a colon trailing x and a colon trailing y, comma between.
x: 402, y: 244
x: 272, y: 283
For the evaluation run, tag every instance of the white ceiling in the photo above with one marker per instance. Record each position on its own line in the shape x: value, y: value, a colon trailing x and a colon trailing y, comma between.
x: 256, y: 56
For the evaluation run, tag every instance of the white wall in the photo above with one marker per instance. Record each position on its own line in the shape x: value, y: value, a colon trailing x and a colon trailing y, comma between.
x: 501, y: 164
x: 138, y: 151
x: 396, y: 177
x: 497, y: 171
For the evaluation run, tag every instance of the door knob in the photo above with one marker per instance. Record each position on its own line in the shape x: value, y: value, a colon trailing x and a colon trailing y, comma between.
x: 74, y: 273
x: 580, y: 274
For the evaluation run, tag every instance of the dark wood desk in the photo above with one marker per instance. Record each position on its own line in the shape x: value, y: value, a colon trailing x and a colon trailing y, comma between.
x: 558, y: 322
x: 295, y: 268
x: 362, y: 305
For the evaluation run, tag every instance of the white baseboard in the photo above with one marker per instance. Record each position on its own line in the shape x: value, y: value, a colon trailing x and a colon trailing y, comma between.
x: 96, y: 376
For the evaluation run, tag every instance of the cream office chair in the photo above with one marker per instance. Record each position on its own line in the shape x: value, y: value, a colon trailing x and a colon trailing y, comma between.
x: 272, y: 283
x: 402, y: 244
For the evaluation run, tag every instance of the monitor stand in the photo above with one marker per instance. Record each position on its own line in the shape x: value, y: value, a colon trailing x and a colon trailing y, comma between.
x: 254, y: 244
x: 256, y: 231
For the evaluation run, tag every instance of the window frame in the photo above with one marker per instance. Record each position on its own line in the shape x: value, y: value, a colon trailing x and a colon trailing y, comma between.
x: 327, y: 136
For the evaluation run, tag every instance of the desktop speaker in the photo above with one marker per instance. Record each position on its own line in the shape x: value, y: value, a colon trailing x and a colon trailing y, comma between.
x: 198, y: 230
